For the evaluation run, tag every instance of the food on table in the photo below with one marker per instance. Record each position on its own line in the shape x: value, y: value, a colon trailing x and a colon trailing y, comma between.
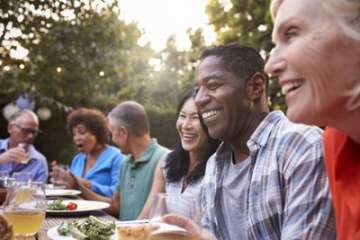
x: 6, y: 232
x: 90, y: 228
x: 132, y: 231
x: 59, y: 204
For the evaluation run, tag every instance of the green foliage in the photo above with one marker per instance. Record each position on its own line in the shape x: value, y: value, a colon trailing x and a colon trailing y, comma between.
x: 247, y: 22
x: 79, y: 54
x: 162, y: 124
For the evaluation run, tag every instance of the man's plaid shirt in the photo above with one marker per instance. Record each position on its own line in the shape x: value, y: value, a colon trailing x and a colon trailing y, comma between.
x: 288, y: 194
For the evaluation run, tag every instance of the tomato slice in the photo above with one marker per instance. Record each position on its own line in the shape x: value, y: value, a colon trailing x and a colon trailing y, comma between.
x: 71, y: 206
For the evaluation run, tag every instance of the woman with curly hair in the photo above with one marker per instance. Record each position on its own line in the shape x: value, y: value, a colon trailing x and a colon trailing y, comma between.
x: 97, y: 164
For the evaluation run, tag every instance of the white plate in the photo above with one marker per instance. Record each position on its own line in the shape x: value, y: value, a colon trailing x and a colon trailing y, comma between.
x: 168, y: 228
x: 61, y: 192
x: 162, y: 227
x: 52, y: 233
x: 82, y: 206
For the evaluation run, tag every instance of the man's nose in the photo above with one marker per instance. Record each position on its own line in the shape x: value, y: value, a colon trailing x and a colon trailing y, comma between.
x: 201, y: 98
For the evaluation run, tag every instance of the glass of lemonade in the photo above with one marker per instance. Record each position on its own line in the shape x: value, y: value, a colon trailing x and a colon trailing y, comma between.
x: 25, y: 207
x: 25, y: 147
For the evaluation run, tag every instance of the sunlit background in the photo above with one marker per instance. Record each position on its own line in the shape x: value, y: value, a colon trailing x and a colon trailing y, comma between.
x: 161, y: 18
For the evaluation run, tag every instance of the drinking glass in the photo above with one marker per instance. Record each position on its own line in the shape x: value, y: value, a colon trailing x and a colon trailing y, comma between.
x: 25, y: 147
x: 25, y: 207
x: 4, y: 176
x: 22, y: 176
x: 172, y: 203
x: 59, y: 174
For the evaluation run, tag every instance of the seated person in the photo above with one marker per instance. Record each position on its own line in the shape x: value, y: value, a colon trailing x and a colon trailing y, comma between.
x: 184, y: 168
x: 17, y: 153
x: 130, y: 130
x: 97, y: 165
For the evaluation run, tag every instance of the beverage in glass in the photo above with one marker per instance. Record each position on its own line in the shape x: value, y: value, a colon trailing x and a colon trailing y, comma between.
x: 25, y: 147
x: 25, y: 207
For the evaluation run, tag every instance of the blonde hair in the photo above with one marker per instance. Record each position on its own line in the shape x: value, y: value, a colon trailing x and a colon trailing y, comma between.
x: 346, y: 12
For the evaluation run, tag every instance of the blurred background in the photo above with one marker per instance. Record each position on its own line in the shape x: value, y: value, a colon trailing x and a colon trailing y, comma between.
x: 57, y: 55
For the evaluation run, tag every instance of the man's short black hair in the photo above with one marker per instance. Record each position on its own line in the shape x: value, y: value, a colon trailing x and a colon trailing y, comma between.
x: 241, y: 60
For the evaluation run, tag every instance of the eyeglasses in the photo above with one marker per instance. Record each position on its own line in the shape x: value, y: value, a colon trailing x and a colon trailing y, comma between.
x: 27, y: 131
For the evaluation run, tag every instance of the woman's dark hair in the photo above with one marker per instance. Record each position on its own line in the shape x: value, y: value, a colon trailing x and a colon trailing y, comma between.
x: 94, y: 121
x: 178, y: 161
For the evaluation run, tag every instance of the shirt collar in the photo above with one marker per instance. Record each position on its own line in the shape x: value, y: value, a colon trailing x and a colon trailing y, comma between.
x: 148, y: 152
x: 260, y: 136
x: 4, y: 145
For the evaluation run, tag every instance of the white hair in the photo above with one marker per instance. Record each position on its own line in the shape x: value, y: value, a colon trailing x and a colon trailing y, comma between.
x: 346, y: 12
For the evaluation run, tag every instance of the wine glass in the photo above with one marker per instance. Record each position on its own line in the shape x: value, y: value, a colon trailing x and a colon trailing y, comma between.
x: 25, y: 207
x: 172, y: 203
x: 4, y: 176
x: 23, y: 176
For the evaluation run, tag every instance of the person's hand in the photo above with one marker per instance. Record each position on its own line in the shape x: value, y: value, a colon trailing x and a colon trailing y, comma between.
x: 194, y: 231
x: 71, y: 181
x: 15, y: 154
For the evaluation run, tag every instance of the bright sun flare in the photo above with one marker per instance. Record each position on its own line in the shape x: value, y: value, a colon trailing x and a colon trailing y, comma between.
x: 161, y: 18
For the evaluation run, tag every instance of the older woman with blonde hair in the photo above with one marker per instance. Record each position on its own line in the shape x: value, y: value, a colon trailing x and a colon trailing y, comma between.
x: 317, y: 61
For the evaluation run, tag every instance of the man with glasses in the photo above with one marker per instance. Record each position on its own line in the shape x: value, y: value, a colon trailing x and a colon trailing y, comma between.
x: 17, y: 153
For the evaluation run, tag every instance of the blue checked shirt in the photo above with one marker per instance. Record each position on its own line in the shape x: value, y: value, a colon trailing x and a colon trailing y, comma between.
x: 288, y: 196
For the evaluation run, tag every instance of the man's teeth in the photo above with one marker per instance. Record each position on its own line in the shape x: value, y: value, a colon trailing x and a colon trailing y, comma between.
x: 289, y: 86
x: 209, y: 114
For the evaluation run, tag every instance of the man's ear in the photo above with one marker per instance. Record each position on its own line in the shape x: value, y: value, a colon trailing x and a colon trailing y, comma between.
x: 257, y: 85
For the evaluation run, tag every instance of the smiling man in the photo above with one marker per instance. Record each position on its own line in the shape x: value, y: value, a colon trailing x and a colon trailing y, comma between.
x: 267, y: 179
x: 17, y: 153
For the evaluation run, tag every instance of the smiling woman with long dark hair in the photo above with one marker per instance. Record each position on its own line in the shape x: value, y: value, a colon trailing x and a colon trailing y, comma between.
x: 183, y: 168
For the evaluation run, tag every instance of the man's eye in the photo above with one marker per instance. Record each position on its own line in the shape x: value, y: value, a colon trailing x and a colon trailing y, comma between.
x: 213, y: 85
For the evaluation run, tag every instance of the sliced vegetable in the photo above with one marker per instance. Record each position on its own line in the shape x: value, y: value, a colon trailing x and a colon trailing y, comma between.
x: 71, y: 206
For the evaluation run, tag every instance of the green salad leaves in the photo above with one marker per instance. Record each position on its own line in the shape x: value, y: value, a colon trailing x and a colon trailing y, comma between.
x: 90, y: 228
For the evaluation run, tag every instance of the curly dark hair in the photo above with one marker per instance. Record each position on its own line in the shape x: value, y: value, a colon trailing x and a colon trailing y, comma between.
x: 94, y: 121
x: 178, y: 161
x: 241, y: 60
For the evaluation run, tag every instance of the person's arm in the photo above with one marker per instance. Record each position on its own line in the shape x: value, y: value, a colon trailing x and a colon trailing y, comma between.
x: 87, y: 193
x: 158, y: 186
x: 308, y: 211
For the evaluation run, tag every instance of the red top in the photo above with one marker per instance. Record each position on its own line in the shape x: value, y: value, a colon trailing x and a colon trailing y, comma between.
x: 342, y: 157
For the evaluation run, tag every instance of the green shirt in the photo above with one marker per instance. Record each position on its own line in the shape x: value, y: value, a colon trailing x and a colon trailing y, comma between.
x: 136, y: 179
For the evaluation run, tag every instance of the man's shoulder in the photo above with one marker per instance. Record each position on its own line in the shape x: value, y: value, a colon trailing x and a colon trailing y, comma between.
x: 37, y: 154
x: 161, y: 150
x: 290, y: 131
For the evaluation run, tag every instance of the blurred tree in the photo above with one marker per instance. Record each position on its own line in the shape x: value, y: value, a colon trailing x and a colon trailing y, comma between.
x: 67, y: 54
x: 79, y: 53
x: 247, y: 22
x: 176, y: 70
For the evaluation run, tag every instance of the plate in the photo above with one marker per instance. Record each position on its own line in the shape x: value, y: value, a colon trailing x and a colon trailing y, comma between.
x: 52, y: 186
x: 162, y: 228
x: 82, y: 206
x: 53, y: 234
x: 61, y: 192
